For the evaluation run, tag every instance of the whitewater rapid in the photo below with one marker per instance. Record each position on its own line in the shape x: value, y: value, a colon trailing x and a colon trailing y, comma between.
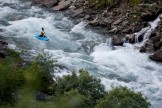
x: 76, y: 46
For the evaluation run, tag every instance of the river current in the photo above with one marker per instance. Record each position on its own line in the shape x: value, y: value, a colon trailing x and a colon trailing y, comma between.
x: 76, y: 46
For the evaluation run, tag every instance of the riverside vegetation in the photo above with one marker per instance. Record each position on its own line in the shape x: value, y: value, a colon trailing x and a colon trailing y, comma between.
x: 20, y: 85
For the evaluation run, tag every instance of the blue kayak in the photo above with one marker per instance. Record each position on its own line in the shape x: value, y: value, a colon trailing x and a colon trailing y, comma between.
x: 41, y: 38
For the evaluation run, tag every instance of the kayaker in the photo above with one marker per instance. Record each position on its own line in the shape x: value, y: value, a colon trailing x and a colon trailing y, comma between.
x: 42, y: 33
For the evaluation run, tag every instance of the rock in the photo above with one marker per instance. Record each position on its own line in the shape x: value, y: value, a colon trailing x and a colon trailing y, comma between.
x: 2, y: 55
x: 94, y: 22
x: 157, y: 56
x: 128, y: 30
x: 118, y: 21
x: 62, y: 5
x: 153, y: 34
x: 149, y: 46
x: 151, y: 15
x: 40, y: 96
x: 77, y: 12
x: 143, y: 49
x: 147, y: 16
x: 3, y: 43
x: 113, y: 30
x: 140, y: 38
x: 131, y: 38
x: 116, y: 41
x: 155, y: 39
x: 47, y: 3
x: 137, y: 28
x: 87, y: 17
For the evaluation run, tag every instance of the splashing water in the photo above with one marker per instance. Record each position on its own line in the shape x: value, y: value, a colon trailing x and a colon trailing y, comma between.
x: 148, y: 30
x: 76, y: 47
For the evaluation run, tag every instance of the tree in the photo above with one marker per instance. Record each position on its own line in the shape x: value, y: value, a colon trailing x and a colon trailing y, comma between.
x: 122, y: 97
x: 86, y: 84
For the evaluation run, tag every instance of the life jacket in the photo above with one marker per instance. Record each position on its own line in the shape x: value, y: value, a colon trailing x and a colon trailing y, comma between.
x: 42, y: 33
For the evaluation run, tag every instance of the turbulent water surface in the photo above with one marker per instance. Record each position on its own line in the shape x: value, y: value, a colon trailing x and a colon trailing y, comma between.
x: 76, y: 47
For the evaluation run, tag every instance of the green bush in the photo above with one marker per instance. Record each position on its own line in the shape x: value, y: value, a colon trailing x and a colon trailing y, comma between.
x: 72, y: 99
x: 11, y: 77
x: 122, y: 97
x: 86, y: 84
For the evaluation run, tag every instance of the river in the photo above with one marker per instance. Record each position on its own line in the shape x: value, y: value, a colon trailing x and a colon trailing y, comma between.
x: 76, y: 46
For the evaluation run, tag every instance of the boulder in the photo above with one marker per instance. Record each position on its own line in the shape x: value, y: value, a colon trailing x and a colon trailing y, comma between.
x: 137, y: 28
x: 155, y: 39
x: 153, y: 34
x: 62, y: 5
x: 114, y: 30
x: 77, y: 12
x: 151, y: 15
x: 157, y: 56
x: 128, y: 30
x: 143, y: 49
x: 2, y: 55
x: 116, y: 41
x: 147, y: 16
x: 87, y: 17
x: 47, y: 3
x: 131, y: 38
x: 118, y: 21
x: 3, y: 43
x: 40, y: 96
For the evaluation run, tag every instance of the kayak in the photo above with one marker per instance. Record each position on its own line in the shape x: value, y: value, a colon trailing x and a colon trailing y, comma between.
x: 41, y: 38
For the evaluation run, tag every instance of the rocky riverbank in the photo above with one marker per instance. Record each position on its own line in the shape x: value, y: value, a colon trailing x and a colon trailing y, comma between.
x: 120, y: 18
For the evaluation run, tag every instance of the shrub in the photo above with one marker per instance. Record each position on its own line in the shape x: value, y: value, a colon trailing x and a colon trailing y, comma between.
x: 86, y: 84
x: 122, y: 97
x: 11, y: 79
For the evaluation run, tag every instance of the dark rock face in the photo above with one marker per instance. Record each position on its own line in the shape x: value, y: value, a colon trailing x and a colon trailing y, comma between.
x: 116, y: 41
x: 157, y: 56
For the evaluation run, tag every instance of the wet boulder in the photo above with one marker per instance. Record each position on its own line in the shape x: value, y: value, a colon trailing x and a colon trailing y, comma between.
x: 131, y: 38
x: 62, y: 5
x: 151, y: 15
x: 3, y: 45
x: 143, y: 49
x: 116, y: 41
x: 157, y: 56
x: 46, y: 3
x: 77, y: 12
x: 155, y: 39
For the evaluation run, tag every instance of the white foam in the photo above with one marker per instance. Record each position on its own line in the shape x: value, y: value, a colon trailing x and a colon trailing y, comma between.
x: 12, y: 46
x: 131, y: 69
x: 58, y: 72
x: 9, y: 1
x: 148, y: 30
x: 4, y: 11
